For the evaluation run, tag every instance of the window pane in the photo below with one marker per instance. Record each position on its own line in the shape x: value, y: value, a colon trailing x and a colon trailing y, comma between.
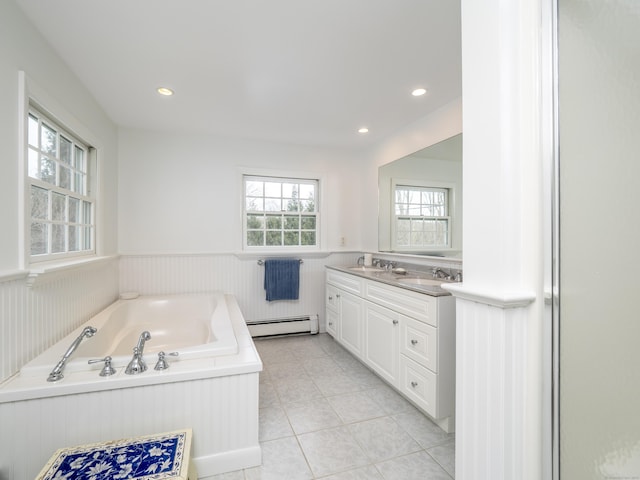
x: 254, y: 189
x: 78, y: 183
x: 292, y: 238
x: 48, y: 140
x: 57, y: 238
x: 39, y: 235
x: 87, y: 238
x: 58, y: 207
x: 308, y: 222
x: 290, y: 190
x: 33, y: 163
x: 74, y: 238
x: 272, y: 189
x: 292, y: 223
x: 47, y: 170
x: 308, y: 205
x: 273, y: 204
x: 65, y: 177
x: 86, y: 213
x: 255, y: 221
x: 274, y: 222
x: 79, y: 159
x: 274, y: 238
x: 33, y: 131
x: 65, y: 150
x: 254, y: 204
x: 255, y: 239
x: 39, y: 203
x: 308, y: 238
x: 74, y: 210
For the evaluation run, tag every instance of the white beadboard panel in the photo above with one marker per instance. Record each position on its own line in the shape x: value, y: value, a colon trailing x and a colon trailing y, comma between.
x: 34, y: 318
x: 491, y: 386
x: 242, y: 277
x: 222, y: 411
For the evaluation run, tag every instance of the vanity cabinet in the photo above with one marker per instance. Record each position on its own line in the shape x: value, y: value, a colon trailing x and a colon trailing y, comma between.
x: 345, y: 312
x: 406, y: 337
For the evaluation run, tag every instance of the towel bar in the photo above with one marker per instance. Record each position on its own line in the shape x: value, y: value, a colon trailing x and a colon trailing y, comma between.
x: 261, y: 262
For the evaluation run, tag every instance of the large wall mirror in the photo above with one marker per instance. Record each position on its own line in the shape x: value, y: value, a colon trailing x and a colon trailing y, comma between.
x: 420, y: 202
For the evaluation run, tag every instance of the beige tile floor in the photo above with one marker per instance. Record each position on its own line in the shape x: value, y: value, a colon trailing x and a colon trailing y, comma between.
x: 324, y: 415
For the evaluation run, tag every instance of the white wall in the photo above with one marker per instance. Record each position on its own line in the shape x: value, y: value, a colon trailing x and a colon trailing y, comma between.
x: 182, y: 193
x: 33, y: 318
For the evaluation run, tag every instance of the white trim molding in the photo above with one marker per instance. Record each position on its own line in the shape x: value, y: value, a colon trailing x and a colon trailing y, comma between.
x: 514, y: 299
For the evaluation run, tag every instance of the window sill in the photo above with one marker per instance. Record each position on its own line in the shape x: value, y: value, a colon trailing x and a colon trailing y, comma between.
x: 48, y: 271
x: 257, y: 255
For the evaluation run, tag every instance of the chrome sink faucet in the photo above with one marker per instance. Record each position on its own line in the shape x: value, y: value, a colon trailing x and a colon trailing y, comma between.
x: 438, y: 273
x: 137, y: 363
x: 56, y: 373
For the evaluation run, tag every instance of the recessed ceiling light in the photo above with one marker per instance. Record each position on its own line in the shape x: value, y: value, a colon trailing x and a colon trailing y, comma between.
x: 167, y: 92
x: 419, y: 92
x: 363, y: 130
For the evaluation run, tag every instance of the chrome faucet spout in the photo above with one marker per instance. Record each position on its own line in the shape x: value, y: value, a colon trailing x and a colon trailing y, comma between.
x: 56, y: 373
x: 144, y: 336
x: 137, y: 363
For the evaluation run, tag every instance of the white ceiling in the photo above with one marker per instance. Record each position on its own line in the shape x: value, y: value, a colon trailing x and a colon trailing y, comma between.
x: 298, y: 71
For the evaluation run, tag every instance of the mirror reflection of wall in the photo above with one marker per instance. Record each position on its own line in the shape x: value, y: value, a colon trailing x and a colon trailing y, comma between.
x: 420, y: 202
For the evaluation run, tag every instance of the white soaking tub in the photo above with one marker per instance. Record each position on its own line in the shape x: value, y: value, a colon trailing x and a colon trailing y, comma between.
x: 212, y: 387
x: 195, y: 326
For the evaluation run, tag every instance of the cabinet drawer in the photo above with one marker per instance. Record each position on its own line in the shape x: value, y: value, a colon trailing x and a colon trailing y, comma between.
x: 416, y: 305
x: 348, y: 283
x: 419, y: 385
x: 332, y: 322
x: 419, y: 342
x: 332, y: 297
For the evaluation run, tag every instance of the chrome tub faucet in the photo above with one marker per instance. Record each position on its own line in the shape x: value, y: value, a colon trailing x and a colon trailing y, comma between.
x: 56, y: 373
x: 137, y: 363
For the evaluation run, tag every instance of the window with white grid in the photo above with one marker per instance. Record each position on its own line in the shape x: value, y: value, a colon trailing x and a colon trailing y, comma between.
x: 421, y: 218
x: 61, y: 207
x: 280, y: 212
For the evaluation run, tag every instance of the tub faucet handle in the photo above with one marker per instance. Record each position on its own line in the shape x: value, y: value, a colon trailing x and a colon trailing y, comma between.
x: 162, y: 363
x: 108, y: 369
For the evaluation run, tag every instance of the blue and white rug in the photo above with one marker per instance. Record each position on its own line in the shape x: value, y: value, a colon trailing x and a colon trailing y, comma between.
x: 154, y: 457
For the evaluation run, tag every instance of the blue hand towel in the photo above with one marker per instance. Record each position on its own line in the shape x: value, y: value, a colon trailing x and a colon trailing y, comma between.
x: 282, y: 278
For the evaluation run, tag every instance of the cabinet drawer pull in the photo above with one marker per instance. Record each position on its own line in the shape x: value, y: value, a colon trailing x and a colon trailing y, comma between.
x: 330, y: 323
x: 395, y: 322
x: 414, y: 384
x: 337, y: 295
x: 414, y: 342
x: 330, y: 297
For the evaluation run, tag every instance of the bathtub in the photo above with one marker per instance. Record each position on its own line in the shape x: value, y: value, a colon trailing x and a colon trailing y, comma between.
x: 195, y: 326
x: 211, y: 387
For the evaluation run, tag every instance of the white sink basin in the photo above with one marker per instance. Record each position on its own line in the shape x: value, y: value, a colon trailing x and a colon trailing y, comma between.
x: 362, y: 268
x: 433, y: 282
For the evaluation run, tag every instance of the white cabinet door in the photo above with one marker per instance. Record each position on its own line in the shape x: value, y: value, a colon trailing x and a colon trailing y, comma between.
x: 351, y: 322
x: 333, y: 322
x: 381, y: 345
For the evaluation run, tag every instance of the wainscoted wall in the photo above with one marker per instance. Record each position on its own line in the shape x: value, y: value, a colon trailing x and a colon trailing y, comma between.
x: 238, y: 275
x: 34, y: 318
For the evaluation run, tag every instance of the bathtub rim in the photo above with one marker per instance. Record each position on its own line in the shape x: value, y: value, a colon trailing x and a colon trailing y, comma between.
x: 246, y: 360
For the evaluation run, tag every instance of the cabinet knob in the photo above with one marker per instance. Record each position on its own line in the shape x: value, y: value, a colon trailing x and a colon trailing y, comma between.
x: 337, y: 295
x: 414, y: 384
x: 330, y: 297
x: 414, y: 342
x: 330, y: 323
x: 395, y: 322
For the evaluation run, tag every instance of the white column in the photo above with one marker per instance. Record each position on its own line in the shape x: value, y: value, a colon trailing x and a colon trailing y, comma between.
x: 499, y: 377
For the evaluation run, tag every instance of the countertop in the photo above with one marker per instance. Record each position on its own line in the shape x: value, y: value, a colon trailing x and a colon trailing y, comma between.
x: 390, y: 278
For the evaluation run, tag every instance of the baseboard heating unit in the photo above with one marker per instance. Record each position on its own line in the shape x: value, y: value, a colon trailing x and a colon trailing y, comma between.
x: 283, y: 326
